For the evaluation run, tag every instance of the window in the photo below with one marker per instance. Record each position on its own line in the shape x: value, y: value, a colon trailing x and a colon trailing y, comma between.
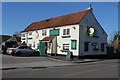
x: 22, y: 35
x: 73, y: 44
x: 49, y: 45
x: 44, y: 32
x: 38, y: 46
x: 86, y: 46
x: 102, y: 47
x: 23, y: 47
x: 34, y: 44
x: 66, y: 31
x: 95, y: 46
x: 30, y: 33
x: 65, y: 46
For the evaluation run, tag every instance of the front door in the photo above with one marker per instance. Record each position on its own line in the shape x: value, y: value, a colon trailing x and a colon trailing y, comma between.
x: 42, y: 48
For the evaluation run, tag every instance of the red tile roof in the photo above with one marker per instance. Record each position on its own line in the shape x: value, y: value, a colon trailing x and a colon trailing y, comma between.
x: 69, y: 19
x: 4, y: 37
x: 48, y: 38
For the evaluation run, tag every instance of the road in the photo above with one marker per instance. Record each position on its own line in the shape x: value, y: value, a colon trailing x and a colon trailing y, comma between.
x: 97, y: 69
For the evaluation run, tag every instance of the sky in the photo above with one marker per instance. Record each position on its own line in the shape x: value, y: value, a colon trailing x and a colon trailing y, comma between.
x: 16, y: 16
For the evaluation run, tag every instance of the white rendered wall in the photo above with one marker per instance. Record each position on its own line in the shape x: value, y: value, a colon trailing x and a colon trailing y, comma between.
x: 74, y: 33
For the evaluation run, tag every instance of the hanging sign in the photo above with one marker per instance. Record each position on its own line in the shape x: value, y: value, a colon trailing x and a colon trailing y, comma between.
x: 36, y: 35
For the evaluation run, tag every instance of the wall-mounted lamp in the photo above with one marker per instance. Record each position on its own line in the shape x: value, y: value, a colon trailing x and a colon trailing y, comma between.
x: 53, y: 28
x: 73, y: 27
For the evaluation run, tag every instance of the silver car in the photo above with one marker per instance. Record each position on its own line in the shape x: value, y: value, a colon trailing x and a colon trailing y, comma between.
x: 24, y: 51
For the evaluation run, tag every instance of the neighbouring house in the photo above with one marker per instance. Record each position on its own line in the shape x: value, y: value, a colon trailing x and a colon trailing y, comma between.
x: 4, y: 38
x: 9, y: 42
x: 79, y: 33
x: 14, y: 38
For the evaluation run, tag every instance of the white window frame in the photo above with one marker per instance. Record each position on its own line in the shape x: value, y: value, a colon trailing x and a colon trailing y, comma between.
x: 22, y: 35
x: 66, y: 46
x: 30, y: 33
x: 44, y: 32
x: 66, y: 31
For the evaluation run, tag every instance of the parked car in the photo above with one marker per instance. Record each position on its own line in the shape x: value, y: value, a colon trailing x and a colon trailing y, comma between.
x: 9, y: 51
x: 7, y: 47
x: 24, y: 51
x: 11, y: 47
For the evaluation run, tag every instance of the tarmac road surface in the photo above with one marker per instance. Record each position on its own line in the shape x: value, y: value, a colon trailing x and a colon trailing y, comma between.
x: 56, y: 69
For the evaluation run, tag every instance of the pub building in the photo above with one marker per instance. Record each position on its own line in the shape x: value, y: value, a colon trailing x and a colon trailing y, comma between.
x: 79, y: 33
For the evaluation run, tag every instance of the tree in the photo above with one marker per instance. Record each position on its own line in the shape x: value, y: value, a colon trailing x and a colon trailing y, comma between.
x: 116, y: 35
x: 116, y: 41
x: 17, y: 33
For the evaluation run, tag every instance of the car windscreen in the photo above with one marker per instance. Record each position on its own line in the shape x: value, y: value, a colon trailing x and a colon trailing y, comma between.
x: 11, y: 44
x: 24, y: 47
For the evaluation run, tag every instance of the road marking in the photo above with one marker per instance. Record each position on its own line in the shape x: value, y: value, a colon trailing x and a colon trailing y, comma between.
x: 80, y: 72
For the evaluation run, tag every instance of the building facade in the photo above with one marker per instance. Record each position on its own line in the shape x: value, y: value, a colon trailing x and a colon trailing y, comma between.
x: 79, y: 33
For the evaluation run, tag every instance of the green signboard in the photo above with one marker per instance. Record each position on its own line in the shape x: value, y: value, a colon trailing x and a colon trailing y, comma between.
x: 73, y: 44
x: 54, y: 32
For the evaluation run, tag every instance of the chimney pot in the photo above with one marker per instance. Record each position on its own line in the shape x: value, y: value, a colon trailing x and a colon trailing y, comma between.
x: 89, y: 7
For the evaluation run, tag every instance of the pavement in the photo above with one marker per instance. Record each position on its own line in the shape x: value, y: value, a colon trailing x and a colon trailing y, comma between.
x: 74, y: 60
x: 46, y: 61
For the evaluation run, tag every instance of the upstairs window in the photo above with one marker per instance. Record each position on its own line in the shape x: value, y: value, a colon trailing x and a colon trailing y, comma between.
x: 22, y: 35
x: 44, y: 32
x: 66, y: 31
x: 29, y: 33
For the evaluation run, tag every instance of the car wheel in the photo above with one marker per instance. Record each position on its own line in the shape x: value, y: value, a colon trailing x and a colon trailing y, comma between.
x: 37, y: 53
x: 24, y: 54
x: 13, y: 54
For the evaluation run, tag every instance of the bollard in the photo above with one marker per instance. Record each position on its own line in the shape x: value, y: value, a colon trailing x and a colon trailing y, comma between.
x: 69, y: 55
